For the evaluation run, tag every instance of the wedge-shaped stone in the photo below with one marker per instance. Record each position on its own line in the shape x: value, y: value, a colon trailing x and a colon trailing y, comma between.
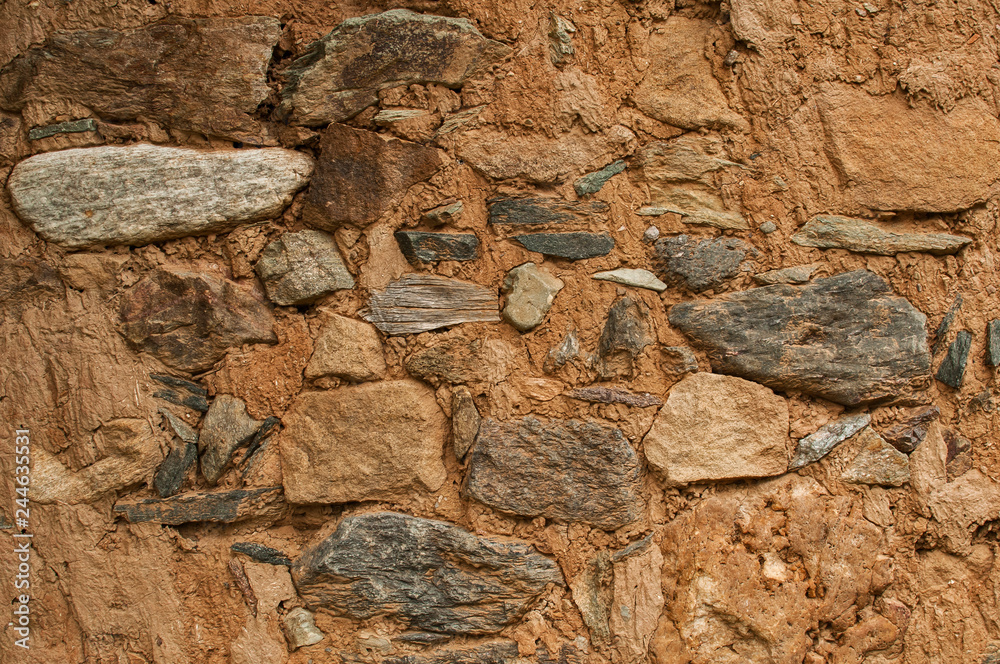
x: 227, y: 426
x: 189, y: 320
x: 632, y: 277
x: 139, y: 194
x: 348, y: 349
x: 878, y: 462
x: 844, y: 338
x: 858, y: 235
x: 371, y: 441
x: 432, y: 574
x: 818, y: 444
x: 421, y: 302
x: 208, y: 75
x: 952, y: 369
x: 299, y: 268
x: 574, y: 246
x: 433, y: 247
x: 570, y: 470
x: 222, y: 507
x: 340, y: 75
x: 540, y: 211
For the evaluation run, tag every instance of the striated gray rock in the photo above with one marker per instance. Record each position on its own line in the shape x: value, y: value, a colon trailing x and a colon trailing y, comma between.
x: 908, y: 434
x: 858, y: 235
x: 632, y: 277
x: 300, y: 268
x: 530, y: 293
x: 600, y: 394
x: 574, y: 246
x: 432, y: 574
x: 844, y: 338
x: 340, y: 75
x: 465, y: 421
x: 952, y: 369
x: 500, y: 651
x: 817, y: 445
x: 421, y: 302
x: 625, y: 333
x: 189, y: 320
x: 70, y: 127
x: 679, y: 360
x: 878, y: 462
x: 182, y: 393
x: 227, y: 427
x: 798, y: 274
x: 260, y: 553
x: 433, y: 247
x: 524, y: 211
x: 591, y: 183
x: 699, y: 265
x: 181, y: 428
x: 195, y: 507
x: 447, y: 213
x: 138, y: 194
x: 170, y: 475
x: 561, y: 33
x: 993, y: 343
x: 569, y: 470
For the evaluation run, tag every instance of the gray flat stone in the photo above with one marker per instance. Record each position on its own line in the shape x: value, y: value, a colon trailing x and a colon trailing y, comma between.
x: 568, y: 470
x: 170, y: 475
x: 632, y: 277
x: 699, y: 265
x: 625, y: 334
x: 181, y: 428
x: 993, y: 343
x: 679, y: 360
x: 432, y: 574
x: 196, y: 507
x: 858, y: 235
x: 817, y: 445
x: 530, y: 293
x: 952, y: 369
x: 418, y: 246
x: 300, y: 268
x: 591, y: 183
x: 341, y: 74
x: 70, y: 127
x: 138, y: 194
x: 226, y: 428
x: 421, y: 302
x: 524, y: 211
x: 844, y: 338
x: 574, y: 246
x: 798, y: 274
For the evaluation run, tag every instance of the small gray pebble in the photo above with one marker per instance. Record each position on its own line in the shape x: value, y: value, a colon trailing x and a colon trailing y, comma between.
x: 651, y: 234
x: 768, y: 227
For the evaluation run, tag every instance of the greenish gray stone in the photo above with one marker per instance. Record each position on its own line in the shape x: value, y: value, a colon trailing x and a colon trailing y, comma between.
x: 574, y: 246
x: 418, y: 246
x: 179, y: 427
x: 522, y: 211
x: 591, y: 183
x: 993, y: 343
x: 858, y: 235
x: 71, y: 127
x: 632, y: 277
x: 768, y: 227
x: 817, y: 445
x: 798, y: 274
x: 227, y: 427
x: 699, y: 265
x: 443, y: 214
x: 561, y: 34
x: 530, y: 292
x: 952, y: 369
x: 300, y: 268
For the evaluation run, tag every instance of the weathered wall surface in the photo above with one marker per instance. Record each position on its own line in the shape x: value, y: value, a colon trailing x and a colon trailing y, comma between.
x: 471, y: 331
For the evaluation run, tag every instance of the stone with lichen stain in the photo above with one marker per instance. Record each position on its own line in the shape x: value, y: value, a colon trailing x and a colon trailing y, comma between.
x: 591, y: 183
x: 300, y: 268
x: 574, y: 246
x: 530, y: 294
x: 817, y: 445
x: 860, y: 236
x: 878, y: 462
x: 699, y: 265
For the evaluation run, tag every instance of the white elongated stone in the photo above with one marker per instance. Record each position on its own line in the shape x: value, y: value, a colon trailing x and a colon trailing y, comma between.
x: 632, y: 277
x: 139, y: 194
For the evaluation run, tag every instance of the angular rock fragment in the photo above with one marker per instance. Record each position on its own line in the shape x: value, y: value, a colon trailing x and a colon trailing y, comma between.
x: 958, y: 459
x: 261, y: 553
x: 371, y: 441
x: 443, y: 214
x: 183, y: 393
x: 679, y: 360
x: 819, y: 338
x: 574, y: 246
x: 189, y: 320
x: 878, y: 462
x: 569, y: 470
x: 207, y: 75
x: 798, y: 274
x: 434, y: 575
x: 300, y: 268
x: 942, y: 329
x: 117, y: 194
x: 530, y: 293
x: 561, y: 34
x: 993, y: 343
x: 952, y: 369
x: 434, y: 247
x: 411, y: 124
x: 300, y: 628
x: 340, y: 75
x: 500, y: 651
x: 817, y: 445
x: 361, y: 174
x: 461, y: 360
x: 170, y: 475
x: 181, y: 428
x: 591, y: 183
x: 523, y: 211
x: 70, y: 127
x: 699, y: 265
x: 625, y: 334
x: 348, y: 349
x: 600, y: 394
x: 632, y: 277
x: 858, y: 235
x: 908, y: 434
x: 195, y: 507
x: 227, y: 427
x: 465, y: 421
x: 421, y: 302
x: 716, y: 427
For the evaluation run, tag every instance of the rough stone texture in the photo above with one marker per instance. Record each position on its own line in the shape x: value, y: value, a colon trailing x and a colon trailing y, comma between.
x: 190, y: 320
x: 817, y: 445
x: 371, y: 441
x: 681, y: 89
x: 418, y: 303
x: 799, y: 274
x: 832, y: 232
x: 993, y: 343
x: 568, y: 470
x: 952, y: 369
x: 679, y: 360
x: 462, y: 360
x: 341, y: 74
x: 170, y: 475
x: 207, y: 74
x: 819, y: 338
x: 360, y: 175
x: 465, y: 421
x: 601, y: 394
x: 222, y: 507
x: 951, y: 171
x: 433, y: 247
x: 624, y: 336
x: 574, y: 246
x: 300, y: 628
x: 226, y: 428
x: 909, y: 433
x: 180, y: 428
x: 699, y: 265
x: 348, y: 349
x: 448, y: 213
x: 430, y: 573
x: 591, y: 183
x: 139, y: 194
x: 717, y: 427
x: 300, y: 268
x: 182, y: 393
x: 261, y: 553
x: 70, y: 127
x: 633, y: 277
x: 530, y: 294
x: 526, y: 211
x: 500, y: 651
x: 878, y: 462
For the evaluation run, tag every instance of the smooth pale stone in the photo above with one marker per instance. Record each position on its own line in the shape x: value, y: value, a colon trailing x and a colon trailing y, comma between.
x: 797, y: 274
x: 139, y: 194
x: 633, y: 277
x: 858, y: 235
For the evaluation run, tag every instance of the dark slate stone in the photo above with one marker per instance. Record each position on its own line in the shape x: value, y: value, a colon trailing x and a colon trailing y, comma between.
x: 71, y: 127
x: 844, y: 338
x: 222, y: 507
x: 423, y: 638
x: 952, y: 369
x: 183, y: 393
x: 261, y: 553
x: 945, y: 324
x: 626, y: 330
x: 501, y: 651
x: 226, y: 428
x: 265, y: 430
x: 520, y: 211
x: 432, y: 574
x: 574, y: 246
x: 993, y: 343
x: 433, y: 247
x: 170, y: 476
x: 591, y: 183
x: 570, y: 470
x: 698, y: 266
x: 909, y: 433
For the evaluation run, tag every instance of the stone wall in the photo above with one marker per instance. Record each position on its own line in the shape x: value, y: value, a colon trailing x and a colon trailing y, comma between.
x: 470, y: 332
